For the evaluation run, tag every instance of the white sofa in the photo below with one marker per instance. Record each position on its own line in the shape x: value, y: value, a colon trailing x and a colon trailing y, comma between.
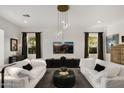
x: 17, y: 77
x: 111, y: 77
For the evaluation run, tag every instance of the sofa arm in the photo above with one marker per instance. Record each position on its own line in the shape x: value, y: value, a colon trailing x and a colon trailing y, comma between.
x: 116, y: 82
x: 12, y: 82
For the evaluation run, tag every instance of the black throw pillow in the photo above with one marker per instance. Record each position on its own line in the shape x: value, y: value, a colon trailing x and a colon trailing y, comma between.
x: 27, y: 67
x: 99, y: 68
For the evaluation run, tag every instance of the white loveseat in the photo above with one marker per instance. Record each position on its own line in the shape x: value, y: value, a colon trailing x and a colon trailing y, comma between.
x: 111, y: 77
x: 17, y: 77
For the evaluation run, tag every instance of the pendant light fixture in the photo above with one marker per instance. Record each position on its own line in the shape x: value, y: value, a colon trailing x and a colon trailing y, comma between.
x: 62, y: 19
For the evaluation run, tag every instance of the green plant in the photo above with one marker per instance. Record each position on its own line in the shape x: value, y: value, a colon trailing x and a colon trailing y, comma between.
x: 92, y: 41
x: 32, y: 41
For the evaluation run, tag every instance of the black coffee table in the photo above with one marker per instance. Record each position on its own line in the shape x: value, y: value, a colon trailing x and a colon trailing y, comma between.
x: 64, y: 78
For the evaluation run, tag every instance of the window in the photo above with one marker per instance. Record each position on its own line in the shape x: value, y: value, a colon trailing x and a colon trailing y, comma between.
x: 31, y: 43
x: 93, y: 43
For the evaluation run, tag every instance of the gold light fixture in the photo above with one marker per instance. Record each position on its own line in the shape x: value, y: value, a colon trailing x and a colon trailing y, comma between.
x: 63, y: 8
x: 62, y: 19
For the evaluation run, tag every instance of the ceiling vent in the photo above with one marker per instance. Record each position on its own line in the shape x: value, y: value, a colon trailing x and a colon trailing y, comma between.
x: 26, y: 15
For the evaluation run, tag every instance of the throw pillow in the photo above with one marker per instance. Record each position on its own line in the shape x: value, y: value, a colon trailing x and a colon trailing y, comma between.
x: 27, y: 67
x: 101, y: 62
x: 99, y: 68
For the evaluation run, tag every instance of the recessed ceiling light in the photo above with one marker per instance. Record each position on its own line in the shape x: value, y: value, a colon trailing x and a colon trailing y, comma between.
x: 63, y: 22
x: 25, y: 22
x: 99, y: 21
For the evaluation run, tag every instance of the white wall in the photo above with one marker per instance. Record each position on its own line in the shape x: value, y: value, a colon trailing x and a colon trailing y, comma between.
x: 1, y: 47
x: 73, y: 34
x: 49, y: 36
x: 10, y: 31
x: 117, y: 28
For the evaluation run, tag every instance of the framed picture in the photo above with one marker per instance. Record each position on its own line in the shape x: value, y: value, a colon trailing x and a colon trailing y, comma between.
x: 63, y: 48
x: 111, y: 40
x: 13, y: 44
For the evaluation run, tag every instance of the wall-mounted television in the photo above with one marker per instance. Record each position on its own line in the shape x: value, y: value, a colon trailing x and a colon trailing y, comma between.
x: 63, y: 48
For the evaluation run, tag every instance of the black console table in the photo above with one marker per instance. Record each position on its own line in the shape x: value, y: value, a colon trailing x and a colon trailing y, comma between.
x: 16, y: 58
x: 63, y: 62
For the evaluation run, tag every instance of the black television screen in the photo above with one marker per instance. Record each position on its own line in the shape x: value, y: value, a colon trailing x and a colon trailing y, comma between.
x: 63, y: 48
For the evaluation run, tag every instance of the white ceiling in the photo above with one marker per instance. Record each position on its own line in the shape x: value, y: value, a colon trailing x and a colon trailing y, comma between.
x: 47, y: 15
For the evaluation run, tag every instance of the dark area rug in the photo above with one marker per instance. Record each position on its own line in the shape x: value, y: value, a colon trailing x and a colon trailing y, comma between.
x: 46, y: 81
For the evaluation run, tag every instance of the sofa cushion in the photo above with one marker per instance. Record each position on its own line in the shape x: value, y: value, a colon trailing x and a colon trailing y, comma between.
x: 38, y: 60
x: 27, y: 60
x: 99, y: 68
x: 19, y: 72
x: 91, y: 72
x: 88, y: 63
x: 20, y: 64
x: 36, y: 71
x: 97, y: 77
x: 37, y: 64
x: 121, y: 71
x: 112, y: 71
x: 27, y: 67
x: 101, y: 62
